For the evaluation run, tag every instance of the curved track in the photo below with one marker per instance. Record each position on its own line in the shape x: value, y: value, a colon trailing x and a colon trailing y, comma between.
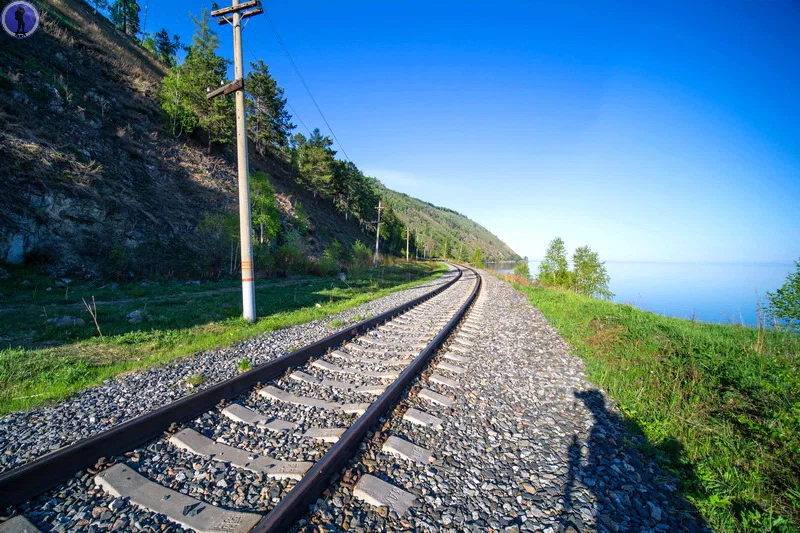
x: 316, y: 404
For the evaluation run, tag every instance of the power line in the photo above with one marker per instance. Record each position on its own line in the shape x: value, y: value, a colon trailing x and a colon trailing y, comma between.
x: 294, y: 113
x: 297, y: 70
x: 298, y: 118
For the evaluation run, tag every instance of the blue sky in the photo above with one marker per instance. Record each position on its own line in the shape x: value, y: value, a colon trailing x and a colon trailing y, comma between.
x: 661, y: 132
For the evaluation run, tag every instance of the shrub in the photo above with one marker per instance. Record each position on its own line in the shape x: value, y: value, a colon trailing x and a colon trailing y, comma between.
x: 300, y: 218
x: 477, y: 258
x: 362, y: 256
x: 265, y: 215
x: 522, y: 270
x: 290, y: 260
x: 40, y: 256
x: 264, y: 261
x: 217, y: 238
x: 326, y: 266
x: 117, y: 261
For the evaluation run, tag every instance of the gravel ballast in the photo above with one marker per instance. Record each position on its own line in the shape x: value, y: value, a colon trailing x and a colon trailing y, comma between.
x: 26, y: 435
x: 529, y: 444
x: 79, y: 505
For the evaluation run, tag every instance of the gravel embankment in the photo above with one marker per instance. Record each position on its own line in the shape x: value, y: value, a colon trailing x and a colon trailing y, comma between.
x: 27, y: 435
x: 78, y: 505
x: 529, y: 445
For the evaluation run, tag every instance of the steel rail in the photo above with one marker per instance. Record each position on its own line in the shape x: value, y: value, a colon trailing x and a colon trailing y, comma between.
x: 324, y: 471
x: 33, y: 478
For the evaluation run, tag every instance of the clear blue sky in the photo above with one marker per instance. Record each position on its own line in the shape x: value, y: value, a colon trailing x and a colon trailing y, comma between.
x: 649, y: 131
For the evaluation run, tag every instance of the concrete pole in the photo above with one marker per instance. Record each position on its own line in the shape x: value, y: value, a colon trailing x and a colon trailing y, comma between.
x: 378, y: 233
x: 408, y: 236
x: 248, y: 287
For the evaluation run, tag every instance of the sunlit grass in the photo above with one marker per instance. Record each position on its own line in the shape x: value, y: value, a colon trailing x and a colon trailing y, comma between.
x: 31, y: 376
x: 719, y: 404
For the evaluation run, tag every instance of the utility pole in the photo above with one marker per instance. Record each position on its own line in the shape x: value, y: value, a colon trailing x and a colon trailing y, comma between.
x: 378, y: 232
x: 408, y: 236
x: 234, y: 18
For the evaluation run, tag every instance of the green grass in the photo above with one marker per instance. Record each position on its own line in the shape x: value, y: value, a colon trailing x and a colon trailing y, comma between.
x: 719, y: 404
x: 51, y: 363
x: 195, y: 379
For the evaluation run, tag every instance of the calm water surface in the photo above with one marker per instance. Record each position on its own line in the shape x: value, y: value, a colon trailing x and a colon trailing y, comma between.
x: 712, y: 292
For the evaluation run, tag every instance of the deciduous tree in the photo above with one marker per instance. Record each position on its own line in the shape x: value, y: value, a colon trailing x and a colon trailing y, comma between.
x: 784, y: 303
x: 589, y: 274
x: 265, y: 214
x: 554, y: 268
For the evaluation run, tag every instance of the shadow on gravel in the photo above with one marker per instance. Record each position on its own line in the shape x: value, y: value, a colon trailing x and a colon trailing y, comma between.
x: 630, y: 492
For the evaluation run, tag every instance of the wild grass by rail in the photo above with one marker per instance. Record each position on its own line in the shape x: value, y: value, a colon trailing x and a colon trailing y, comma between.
x: 719, y: 404
x: 43, y: 363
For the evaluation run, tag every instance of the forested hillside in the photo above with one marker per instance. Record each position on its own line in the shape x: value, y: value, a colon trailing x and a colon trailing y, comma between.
x: 443, y: 232
x: 116, y: 165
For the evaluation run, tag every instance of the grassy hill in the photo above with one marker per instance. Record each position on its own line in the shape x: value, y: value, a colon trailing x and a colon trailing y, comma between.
x: 433, y: 225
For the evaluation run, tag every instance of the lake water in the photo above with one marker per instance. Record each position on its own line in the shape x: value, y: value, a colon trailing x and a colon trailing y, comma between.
x: 712, y: 292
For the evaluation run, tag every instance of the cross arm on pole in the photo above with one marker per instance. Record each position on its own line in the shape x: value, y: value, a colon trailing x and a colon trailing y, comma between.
x: 233, y: 86
x: 246, y: 14
x: 233, y: 9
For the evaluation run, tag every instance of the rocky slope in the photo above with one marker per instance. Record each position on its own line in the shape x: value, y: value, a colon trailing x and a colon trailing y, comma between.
x: 94, y: 182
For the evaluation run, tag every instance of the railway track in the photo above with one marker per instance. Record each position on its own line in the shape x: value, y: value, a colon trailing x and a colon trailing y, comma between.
x: 253, y: 452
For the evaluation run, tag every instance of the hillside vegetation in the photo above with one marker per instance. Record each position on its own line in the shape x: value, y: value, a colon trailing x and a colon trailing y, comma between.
x: 443, y: 232
x: 719, y: 404
x: 116, y: 166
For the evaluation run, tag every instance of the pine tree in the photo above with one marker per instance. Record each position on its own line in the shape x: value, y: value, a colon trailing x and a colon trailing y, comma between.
x: 166, y: 48
x: 314, y: 161
x: 269, y: 122
x: 99, y: 4
x: 183, y: 93
x: 345, y: 186
x: 125, y: 16
x: 205, y: 70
